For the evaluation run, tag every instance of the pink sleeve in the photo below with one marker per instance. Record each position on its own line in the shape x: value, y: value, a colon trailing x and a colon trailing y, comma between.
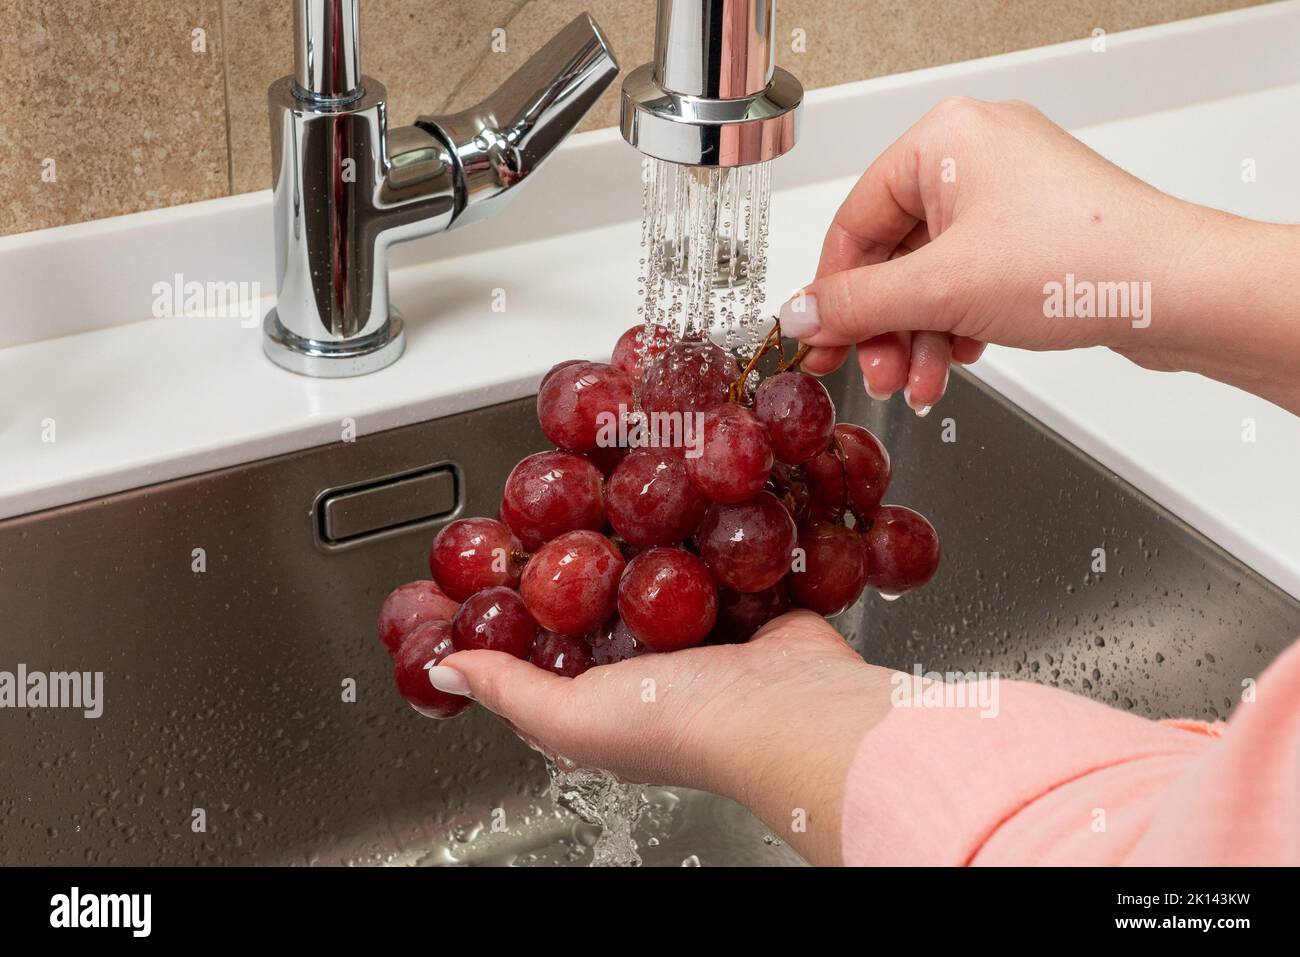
x: 1054, y: 778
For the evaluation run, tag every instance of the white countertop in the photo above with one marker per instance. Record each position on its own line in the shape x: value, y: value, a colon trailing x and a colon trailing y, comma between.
x: 1179, y: 437
x: 136, y: 402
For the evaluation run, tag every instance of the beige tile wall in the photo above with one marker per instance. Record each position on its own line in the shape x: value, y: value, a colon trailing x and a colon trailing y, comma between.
x: 135, y: 104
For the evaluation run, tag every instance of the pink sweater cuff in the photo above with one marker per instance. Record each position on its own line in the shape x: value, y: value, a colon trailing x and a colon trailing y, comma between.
x: 1054, y: 778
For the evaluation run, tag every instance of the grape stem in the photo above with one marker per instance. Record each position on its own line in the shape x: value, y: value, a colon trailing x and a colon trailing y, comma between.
x: 771, y: 341
x: 736, y: 394
x: 794, y: 362
x: 846, y: 508
x: 838, y: 447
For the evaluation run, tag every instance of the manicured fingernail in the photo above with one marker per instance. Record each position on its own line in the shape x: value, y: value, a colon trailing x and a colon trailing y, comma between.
x: 921, y: 410
x: 799, y: 316
x: 878, y: 396
x: 449, y: 680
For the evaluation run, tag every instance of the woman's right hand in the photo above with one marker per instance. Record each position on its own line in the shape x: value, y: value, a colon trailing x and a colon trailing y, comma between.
x: 951, y: 239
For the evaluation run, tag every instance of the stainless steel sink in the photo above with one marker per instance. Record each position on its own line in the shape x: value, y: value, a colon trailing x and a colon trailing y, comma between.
x: 224, y: 689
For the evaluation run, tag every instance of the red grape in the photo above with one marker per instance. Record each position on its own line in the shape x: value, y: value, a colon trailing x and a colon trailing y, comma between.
x: 495, y: 619
x: 853, y: 474
x: 902, y: 550
x: 740, y: 614
x: 556, y: 368
x: 471, y: 554
x: 570, y: 585
x: 650, y: 499
x: 408, y: 606
x: 833, y: 569
x: 748, y: 545
x: 736, y: 457
x: 550, y: 493
x: 614, y: 643
x: 567, y: 657
x: 798, y: 413
x: 635, y: 350
x: 580, y: 406
x: 426, y: 646
x: 667, y: 599
x: 688, y: 377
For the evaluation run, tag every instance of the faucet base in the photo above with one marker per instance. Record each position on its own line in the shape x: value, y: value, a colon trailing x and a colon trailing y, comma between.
x: 323, y: 360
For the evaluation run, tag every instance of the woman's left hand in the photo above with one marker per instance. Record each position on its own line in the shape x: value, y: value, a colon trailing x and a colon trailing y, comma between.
x: 773, y: 723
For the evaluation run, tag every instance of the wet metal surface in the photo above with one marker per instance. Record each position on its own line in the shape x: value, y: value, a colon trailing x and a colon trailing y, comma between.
x: 227, y: 671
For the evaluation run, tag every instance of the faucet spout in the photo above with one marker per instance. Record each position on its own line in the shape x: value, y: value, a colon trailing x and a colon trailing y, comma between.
x: 501, y: 141
x: 346, y: 187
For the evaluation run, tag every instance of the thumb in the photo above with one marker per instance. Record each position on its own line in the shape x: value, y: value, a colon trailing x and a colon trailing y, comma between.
x: 525, y: 695
x: 909, y: 293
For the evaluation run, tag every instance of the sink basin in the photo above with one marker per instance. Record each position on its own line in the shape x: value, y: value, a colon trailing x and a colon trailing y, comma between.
x: 225, y: 689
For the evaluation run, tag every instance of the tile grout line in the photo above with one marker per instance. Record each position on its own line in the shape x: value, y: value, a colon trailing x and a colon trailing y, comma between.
x: 225, y: 93
x: 470, y: 73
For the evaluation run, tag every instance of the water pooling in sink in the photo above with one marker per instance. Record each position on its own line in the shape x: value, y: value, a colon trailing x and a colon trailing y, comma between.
x: 675, y: 827
x: 604, y: 802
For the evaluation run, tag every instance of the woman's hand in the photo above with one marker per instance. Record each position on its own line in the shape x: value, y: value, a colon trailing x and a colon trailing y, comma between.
x: 773, y: 723
x: 952, y: 237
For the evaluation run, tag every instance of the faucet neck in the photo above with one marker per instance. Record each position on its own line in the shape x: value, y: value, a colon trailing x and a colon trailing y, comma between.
x: 714, y: 49
x: 326, y: 50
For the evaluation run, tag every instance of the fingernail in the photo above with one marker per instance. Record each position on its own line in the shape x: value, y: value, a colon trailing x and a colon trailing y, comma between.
x: 921, y: 410
x: 799, y: 316
x: 878, y: 396
x: 449, y: 680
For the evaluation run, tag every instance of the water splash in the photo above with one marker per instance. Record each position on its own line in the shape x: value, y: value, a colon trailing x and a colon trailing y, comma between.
x: 602, y: 801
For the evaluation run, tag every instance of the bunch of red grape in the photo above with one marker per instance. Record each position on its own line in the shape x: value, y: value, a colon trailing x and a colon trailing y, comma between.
x: 734, y: 506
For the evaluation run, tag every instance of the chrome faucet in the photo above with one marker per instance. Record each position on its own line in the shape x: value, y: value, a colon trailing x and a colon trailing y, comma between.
x: 346, y: 187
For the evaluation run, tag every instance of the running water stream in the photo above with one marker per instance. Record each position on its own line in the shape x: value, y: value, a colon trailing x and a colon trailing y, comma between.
x: 702, y: 270
x: 704, y: 250
x: 603, y: 801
